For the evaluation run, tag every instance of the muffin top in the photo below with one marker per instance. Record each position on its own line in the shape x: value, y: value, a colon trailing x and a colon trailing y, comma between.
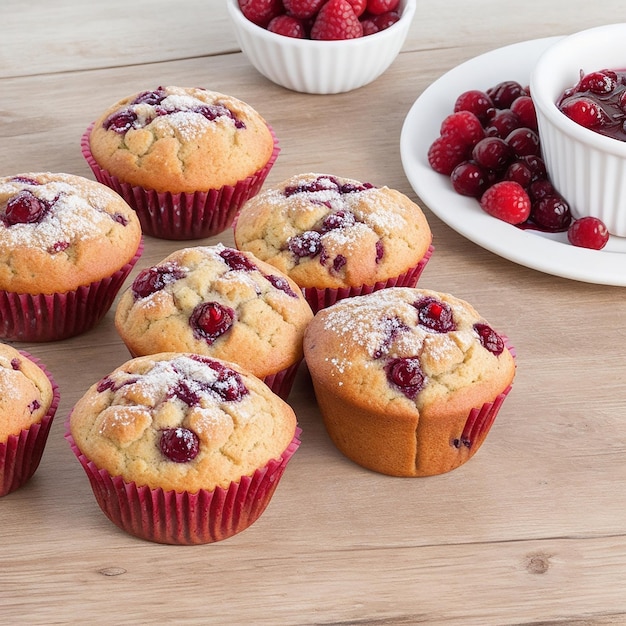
x: 60, y: 231
x: 181, y: 139
x: 401, y: 350
x: 216, y: 301
x: 329, y: 232
x: 25, y: 392
x: 181, y: 422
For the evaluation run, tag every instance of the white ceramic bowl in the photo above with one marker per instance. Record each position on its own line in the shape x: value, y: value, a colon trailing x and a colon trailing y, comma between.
x: 321, y: 67
x: 587, y: 168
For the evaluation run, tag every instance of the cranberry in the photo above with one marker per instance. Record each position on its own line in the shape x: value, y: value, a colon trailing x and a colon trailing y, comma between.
x: 212, y: 111
x: 229, y: 385
x: 524, y: 108
x: 585, y: 112
x: 492, y: 153
x: 406, y: 374
x: 321, y: 183
x: 588, y: 232
x: 16, y: 364
x: 537, y: 166
x: 121, y: 122
x: 309, y: 243
x: 518, y: 172
x: 151, y: 97
x: 503, y: 123
x: 603, y: 82
x: 352, y: 188
x: 180, y: 445
x: 105, y: 384
x: 523, y: 141
x: 153, y: 279
x: 469, y: 179
x: 505, y: 93
x: 338, y: 262
x: 24, y: 208
x: 541, y: 188
x: 489, y: 338
x: 435, y: 315
x: 339, y: 219
x: 282, y: 284
x: 34, y: 405
x: 237, y: 260
x: 552, y: 213
x: 119, y: 218
x: 211, y: 320
x: 380, y: 251
x: 477, y: 102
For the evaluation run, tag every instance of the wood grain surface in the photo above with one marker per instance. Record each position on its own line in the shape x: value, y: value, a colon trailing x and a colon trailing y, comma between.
x: 531, y: 531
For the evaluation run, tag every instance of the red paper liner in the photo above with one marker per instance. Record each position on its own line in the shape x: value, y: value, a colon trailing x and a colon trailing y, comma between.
x: 183, y: 216
x: 21, y: 454
x: 52, y: 317
x: 319, y: 299
x: 282, y: 382
x: 184, y: 518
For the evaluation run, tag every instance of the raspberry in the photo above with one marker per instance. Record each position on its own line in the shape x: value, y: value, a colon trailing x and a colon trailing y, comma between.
x: 508, y: 201
x: 464, y: 125
x: 445, y: 153
x: 261, y: 11
x: 302, y: 9
x: 336, y: 20
x: 377, y: 7
x: 287, y: 26
x: 588, y: 232
x: 359, y: 6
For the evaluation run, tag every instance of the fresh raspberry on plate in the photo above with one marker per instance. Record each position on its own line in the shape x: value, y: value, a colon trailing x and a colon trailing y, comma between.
x: 508, y: 201
x: 446, y: 152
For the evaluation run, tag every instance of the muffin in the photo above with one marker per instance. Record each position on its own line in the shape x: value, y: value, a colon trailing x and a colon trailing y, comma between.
x: 408, y: 381
x: 29, y: 398
x: 181, y: 448
x: 66, y: 246
x: 184, y: 158
x: 336, y: 237
x: 219, y: 302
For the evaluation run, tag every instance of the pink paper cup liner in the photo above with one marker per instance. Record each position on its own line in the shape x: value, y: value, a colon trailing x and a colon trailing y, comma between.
x: 319, y: 299
x: 21, y: 454
x: 282, y: 382
x: 478, y: 424
x: 51, y: 317
x: 183, y: 216
x: 184, y: 518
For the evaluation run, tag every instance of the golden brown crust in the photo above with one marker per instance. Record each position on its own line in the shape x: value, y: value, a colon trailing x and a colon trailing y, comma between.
x: 118, y: 423
x: 87, y: 234
x: 266, y: 336
x: 389, y: 236
x: 172, y: 147
x: 25, y: 392
x: 349, y: 348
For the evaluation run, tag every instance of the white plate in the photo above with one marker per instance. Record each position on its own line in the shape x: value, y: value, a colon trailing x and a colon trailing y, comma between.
x: 550, y: 253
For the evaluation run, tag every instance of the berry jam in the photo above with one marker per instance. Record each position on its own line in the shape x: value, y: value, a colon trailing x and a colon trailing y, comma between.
x: 598, y: 102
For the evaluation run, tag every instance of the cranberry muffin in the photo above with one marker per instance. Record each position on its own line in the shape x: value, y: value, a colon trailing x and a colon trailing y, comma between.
x: 336, y: 237
x: 66, y: 246
x: 29, y: 398
x: 220, y: 302
x: 184, y: 158
x: 408, y: 381
x: 182, y: 448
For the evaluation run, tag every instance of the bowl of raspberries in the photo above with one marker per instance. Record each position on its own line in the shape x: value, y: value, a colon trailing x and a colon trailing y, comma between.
x: 321, y: 46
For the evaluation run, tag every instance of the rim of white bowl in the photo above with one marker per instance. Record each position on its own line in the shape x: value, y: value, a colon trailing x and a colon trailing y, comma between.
x: 542, y: 78
x: 406, y: 17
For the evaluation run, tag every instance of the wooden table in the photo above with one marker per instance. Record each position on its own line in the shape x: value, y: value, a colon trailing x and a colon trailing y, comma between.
x: 531, y: 531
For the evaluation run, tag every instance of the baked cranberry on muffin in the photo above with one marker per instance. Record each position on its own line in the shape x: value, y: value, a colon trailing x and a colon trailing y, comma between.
x: 217, y: 301
x: 28, y: 401
x: 182, y: 448
x: 408, y: 381
x: 66, y: 246
x: 184, y: 158
x: 336, y: 237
